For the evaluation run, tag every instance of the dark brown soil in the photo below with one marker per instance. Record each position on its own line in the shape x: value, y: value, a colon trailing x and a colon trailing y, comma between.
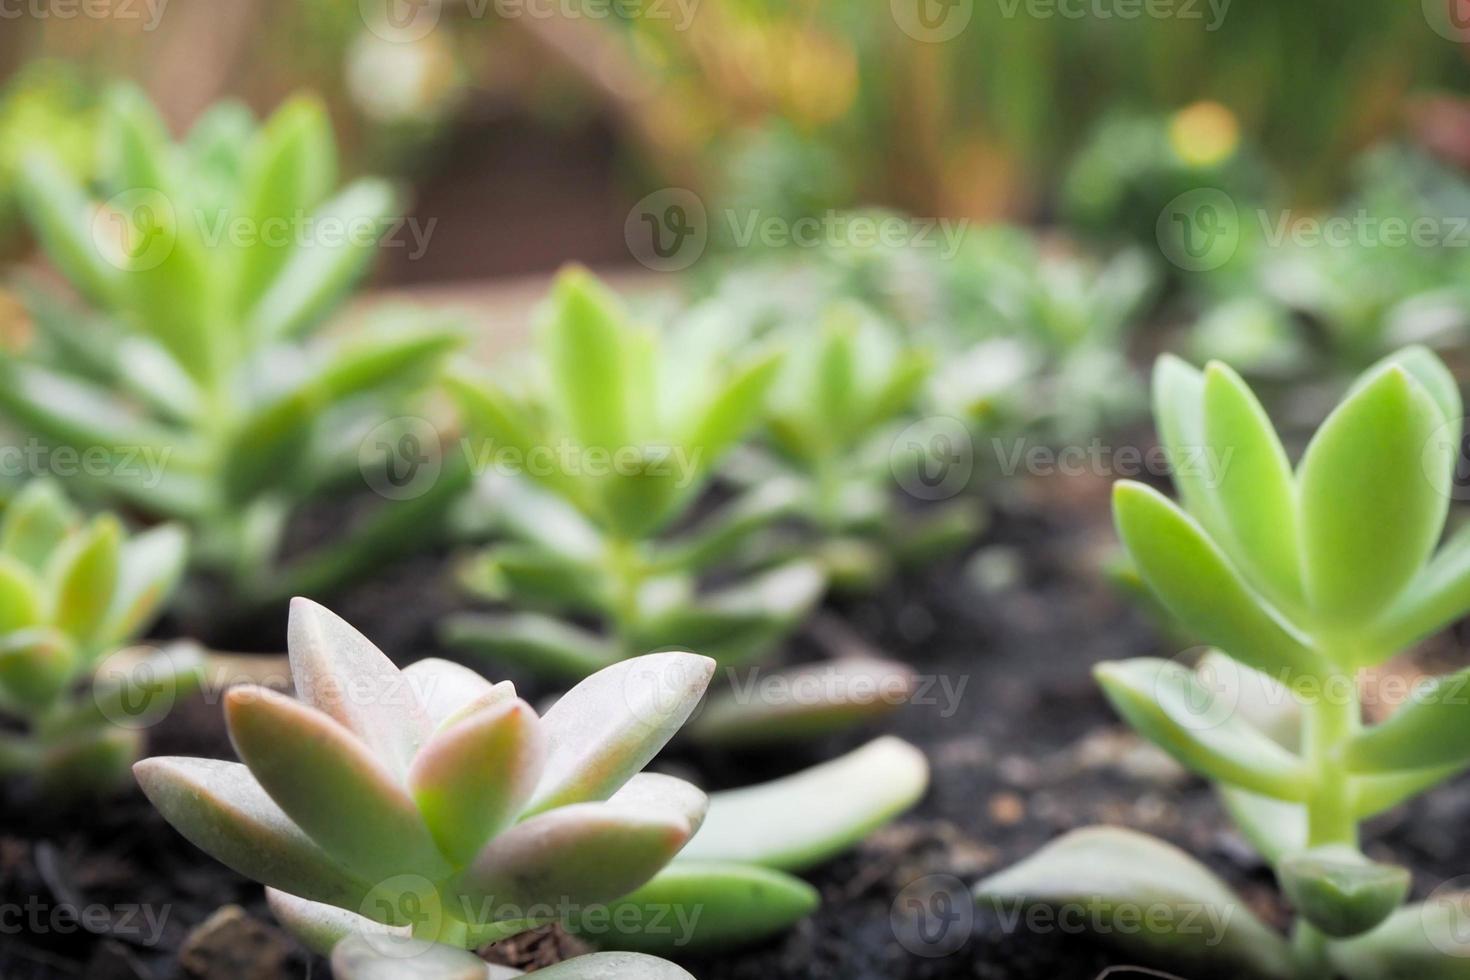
x: 1031, y: 752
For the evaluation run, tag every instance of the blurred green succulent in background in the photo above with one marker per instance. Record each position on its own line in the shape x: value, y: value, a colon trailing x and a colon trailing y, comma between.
x: 191, y: 379
x: 595, y: 465
x: 73, y: 592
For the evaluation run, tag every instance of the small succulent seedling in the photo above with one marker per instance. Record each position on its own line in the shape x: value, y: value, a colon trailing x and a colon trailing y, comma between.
x: 432, y: 801
x: 1301, y: 578
x: 1033, y: 344
x: 191, y: 385
x: 72, y: 592
x: 609, y: 447
x: 834, y: 420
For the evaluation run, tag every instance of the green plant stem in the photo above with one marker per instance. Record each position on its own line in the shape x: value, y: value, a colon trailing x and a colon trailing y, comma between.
x: 828, y: 476
x: 1327, y: 721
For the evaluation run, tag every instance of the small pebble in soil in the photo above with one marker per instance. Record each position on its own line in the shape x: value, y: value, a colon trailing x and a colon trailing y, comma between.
x: 231, y: 945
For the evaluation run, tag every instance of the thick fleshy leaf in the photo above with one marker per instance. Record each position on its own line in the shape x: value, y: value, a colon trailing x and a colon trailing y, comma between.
x: 338, y: 671
x: 739, y: 621
x: 221, y: 809
x: 1439, y: 595
x: 800, y: 821
x: 1340, y: 891
x: 380, y: 362
x: 535, y: 515
x: 614, y: 966
x: 1168, y: 705
x: 693, y: 906
x: 36, y: 522
x: 1253, y: 486
x: 804, y: 702
x: 1273, y: 827
x: 1263, y: 703
x: 36, y: 665
x: 268, y: 444
x: 1179, y: 402
x: 21, y: 602
x: 541, y: 643
x: 582, y: 344
x: 731, y: 412
x: 82, y: 576
x: 607, y: 728
x: 473, y: 777
x: 149, y: 568
x: 1423, y: 942
x: 291, y: 168
x: 445, y: 687
x: 61, y: 216
x: 1364, y: 471
x: 66, y: 411
x: 1195, y: 582
x: 331, y: 785
x: 580, y: 854
x: 321, y: 927
x: 316, y: 278
x: 361, y: 957
x: 1375, y: 794
x: 1124, y: 880
x: 655, y: 791
x: 1431, y: 730
x: 528, y: 575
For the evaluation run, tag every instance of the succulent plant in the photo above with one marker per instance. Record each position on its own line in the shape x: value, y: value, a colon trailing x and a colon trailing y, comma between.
x: 1300, y: 578
x: 592, y: 462
x: 1032, y: 343
x: 432, y: 801
x: 189, y: 384
x: 72, y: 594
x: 837, y: 422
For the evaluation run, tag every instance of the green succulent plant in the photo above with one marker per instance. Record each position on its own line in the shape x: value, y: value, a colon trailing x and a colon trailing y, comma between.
x: 73, y: 592
x: 596, y: 466
x: 415, y: 814
x: 191, y: 381
x: 1300, y: 578
x: 840, y: 425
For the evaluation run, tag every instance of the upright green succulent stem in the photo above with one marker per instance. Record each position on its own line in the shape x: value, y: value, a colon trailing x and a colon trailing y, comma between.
x: 1329, y: 720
